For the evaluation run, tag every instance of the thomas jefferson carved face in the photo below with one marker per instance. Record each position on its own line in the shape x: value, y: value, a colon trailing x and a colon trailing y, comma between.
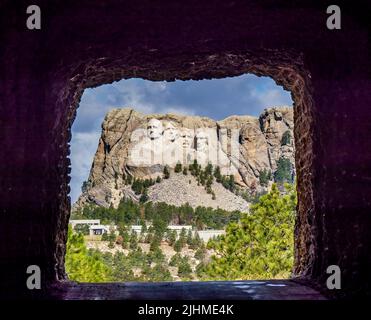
x: 171, y: 132
x: 201, y: 141
x: 154, y: 129
x: 187, y: 137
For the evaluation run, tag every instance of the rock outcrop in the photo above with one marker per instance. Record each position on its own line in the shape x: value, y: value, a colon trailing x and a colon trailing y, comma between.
x: 139, y: 145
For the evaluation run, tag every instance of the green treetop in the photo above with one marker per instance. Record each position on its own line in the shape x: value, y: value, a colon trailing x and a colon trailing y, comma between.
x: 261, y: 244
x: 217, y: 174
x: 283, y: 172
x: 178, y: 167
x: 81, y: 265
x: 286, y: 138
x: 166, y: 172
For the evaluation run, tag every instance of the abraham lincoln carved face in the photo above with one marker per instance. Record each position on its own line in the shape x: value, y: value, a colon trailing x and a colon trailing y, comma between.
x: 201, y: 141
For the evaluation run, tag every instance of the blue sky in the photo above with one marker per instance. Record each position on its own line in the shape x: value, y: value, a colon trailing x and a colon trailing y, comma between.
x: 217, y: 99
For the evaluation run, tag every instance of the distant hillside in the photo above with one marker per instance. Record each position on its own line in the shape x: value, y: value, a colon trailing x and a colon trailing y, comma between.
x: 136, y: 147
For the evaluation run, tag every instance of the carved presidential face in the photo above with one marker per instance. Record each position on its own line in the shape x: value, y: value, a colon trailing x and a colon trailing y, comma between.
x: 202, y: 140
x: 171, y: 133
x: 187, y: 137
x: 154, y: 129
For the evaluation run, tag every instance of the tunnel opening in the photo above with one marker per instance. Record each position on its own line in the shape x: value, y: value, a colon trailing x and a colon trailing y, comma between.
x: 291, y: 75
x: 178, y: 166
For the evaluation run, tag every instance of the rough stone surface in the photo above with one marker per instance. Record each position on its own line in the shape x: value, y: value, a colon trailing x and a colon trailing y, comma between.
x: 177, y: 191
x: 211, y: 290
x: 89, y: 42
x: 242, y: 146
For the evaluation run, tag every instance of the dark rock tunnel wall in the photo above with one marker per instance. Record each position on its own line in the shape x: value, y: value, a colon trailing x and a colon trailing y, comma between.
x: 43, y: 74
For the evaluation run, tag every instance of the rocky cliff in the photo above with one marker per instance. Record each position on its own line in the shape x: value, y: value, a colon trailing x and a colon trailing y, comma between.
x: 139, y: 146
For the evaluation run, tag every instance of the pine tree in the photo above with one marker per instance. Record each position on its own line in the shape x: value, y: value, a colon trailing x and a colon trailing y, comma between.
x: 171, y: 237
x: 133, y: 240
x: 111, y: 244
x: 183, y: 237
x: 283, y: 172
x: 189, y: 237
x: 209, y: 169
x: 158, y: 273
x: 202, y: 178
x: 83, y: 229
x: 209, y: 182
x: 137, y: 186
x: 194, y: 168
x: 166, y: 172
x: 197, y: 242
x: 84, y: 186
x: 264, y: 177
x: 178, y: 167
x: 105, y: 237
x: 200, y: 254
x: 149, y: 237
x: 184, y: 268
x: 82, y: 265
x: 231, y: 183
x: 144, y: 197
x: 286, y: 138
x: 175, y: 260
x: 111, y: 239
x: 178, y: 245
x: 155, y: 243
x: 261, y: 245
x: 217, y: 174
x: 129, y: 179
x: 125, y: 240
x: 144, y: 227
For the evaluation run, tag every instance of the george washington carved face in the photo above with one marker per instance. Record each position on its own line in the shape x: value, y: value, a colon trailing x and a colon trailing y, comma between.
x: 154, y: 129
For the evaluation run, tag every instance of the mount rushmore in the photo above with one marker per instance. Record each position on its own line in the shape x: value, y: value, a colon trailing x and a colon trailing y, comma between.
x: 140, y: 145
x: 164, y: 143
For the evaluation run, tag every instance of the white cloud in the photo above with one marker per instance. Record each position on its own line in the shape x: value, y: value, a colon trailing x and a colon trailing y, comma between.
x: 138, y: 96
x: 134, y: 96
x: 178, y: 110
x: 156, y: 86
x: 271, y: 97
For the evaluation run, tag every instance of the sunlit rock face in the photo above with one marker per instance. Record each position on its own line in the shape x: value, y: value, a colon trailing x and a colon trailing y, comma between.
x: 141, y: 145
x: 163, y: 144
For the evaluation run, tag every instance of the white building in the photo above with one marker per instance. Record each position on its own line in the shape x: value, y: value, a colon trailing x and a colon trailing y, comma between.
x: 89, y: 222
x: 98, y: 230
x: 178, y: 229
x: 95, y: 228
